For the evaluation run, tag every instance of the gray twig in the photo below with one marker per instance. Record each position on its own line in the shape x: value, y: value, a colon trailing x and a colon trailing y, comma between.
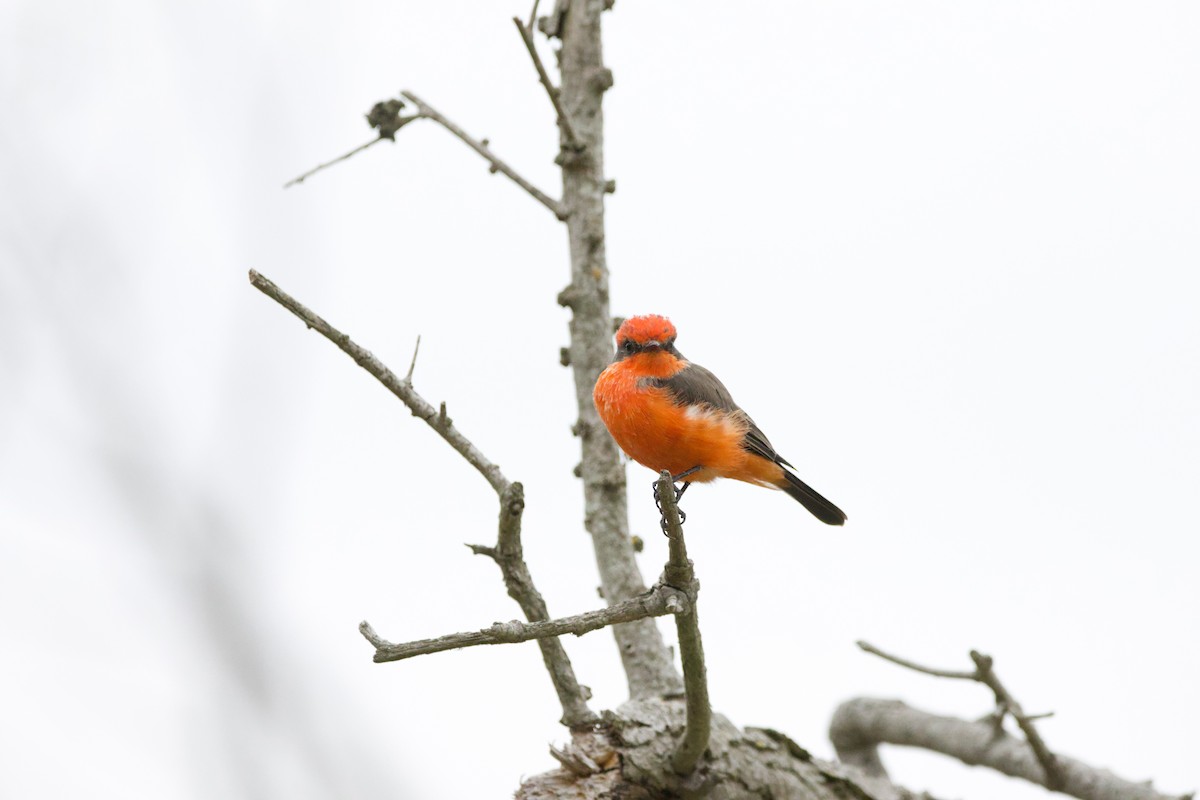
x: 496, y: 165
x: 861, y: 724
x: 413, y: 364
x: 679, y: 573
x: 533, y: 13
x: 403, y: 389
x: 329, y: 164
x: 1005, y: 704
x: 658, y: 602
x: 938, y: 673
x: 563, y: 120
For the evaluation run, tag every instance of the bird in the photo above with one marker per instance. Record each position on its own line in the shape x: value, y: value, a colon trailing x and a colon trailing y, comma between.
x: 668, y: 413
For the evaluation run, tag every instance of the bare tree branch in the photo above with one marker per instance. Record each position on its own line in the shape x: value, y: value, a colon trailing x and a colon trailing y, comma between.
x: 508, y: 553
x: 544, y: 78
x: 426, y: 111
x: 659, y: 601
x: 679, y: 573
x: 328, y: 164
x: 860, y: 725
x: 1005, y: 704
x: 509, y: 556
x: 419, y: 406
x: 938, y: 673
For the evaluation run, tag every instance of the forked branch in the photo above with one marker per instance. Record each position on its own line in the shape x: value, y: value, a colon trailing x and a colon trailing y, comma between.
x: 387, y: 117
x: 1052, y: 777
x: 859, y: 726
x: 508, y: 552
x: 659, y: 601
x: 564, y: 121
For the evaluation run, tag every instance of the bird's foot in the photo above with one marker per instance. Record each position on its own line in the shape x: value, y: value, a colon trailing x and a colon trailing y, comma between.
x: 679, y: 490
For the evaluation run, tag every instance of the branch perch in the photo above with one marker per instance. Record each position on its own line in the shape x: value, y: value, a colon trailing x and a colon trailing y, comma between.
x: 426, y: 111
x: 679, y: 573
x: 649, y: 667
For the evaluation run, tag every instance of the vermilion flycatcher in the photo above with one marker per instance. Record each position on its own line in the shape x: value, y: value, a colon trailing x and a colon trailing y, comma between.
x: 668, y: 413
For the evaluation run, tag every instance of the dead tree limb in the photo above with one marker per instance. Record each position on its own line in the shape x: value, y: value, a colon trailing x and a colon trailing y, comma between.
x: 679, y: 573
x: 426, y: 111
x: 508, y: 552
x: 659, y: 601
x: 509, y: 556
x: 1052, y: 777
x: 859, y: 726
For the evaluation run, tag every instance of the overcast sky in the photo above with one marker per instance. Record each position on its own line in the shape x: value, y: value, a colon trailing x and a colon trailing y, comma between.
x: 944, y: 253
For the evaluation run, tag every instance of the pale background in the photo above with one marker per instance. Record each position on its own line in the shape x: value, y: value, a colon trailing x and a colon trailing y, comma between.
x: 945, y: 253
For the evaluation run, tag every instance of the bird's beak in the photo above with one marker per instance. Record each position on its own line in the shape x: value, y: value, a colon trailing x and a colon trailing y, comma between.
x: 653, y: 344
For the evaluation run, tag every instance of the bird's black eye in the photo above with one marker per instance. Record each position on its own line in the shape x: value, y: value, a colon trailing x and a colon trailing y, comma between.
x: 629, y: 346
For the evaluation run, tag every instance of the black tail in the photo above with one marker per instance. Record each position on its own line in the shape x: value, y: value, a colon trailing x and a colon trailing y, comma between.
x: 820, y: 508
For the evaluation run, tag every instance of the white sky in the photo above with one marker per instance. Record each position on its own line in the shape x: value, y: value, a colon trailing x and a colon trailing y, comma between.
x: 945, y: 253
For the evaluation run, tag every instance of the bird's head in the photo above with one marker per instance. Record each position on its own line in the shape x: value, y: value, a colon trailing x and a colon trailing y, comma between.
x: 646, y: 335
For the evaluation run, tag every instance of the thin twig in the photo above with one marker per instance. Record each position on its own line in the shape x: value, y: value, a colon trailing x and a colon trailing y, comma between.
x: 679, y: 573
x: 329, y: 164
x: 413, y: 364
x: 659, y: 601
x: 937, y: 673
x: 428, y: 112
x: 533, y: 14
x: 401, y: 388
x: 1005, y: 704
x: 563, y: 120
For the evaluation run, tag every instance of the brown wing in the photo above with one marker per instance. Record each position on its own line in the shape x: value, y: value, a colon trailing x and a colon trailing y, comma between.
x: 694, y: 385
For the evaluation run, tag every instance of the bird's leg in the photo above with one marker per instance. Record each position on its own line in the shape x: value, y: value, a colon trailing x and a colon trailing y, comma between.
x: 678, y: 493
x: 677, y: 479
x: 686, y: 484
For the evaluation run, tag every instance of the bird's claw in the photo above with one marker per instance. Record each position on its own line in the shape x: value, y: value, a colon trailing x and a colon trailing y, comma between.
x: 657, y: 504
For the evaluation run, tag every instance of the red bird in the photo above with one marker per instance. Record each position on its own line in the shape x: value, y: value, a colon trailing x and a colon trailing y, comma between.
x: 668, y: 413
